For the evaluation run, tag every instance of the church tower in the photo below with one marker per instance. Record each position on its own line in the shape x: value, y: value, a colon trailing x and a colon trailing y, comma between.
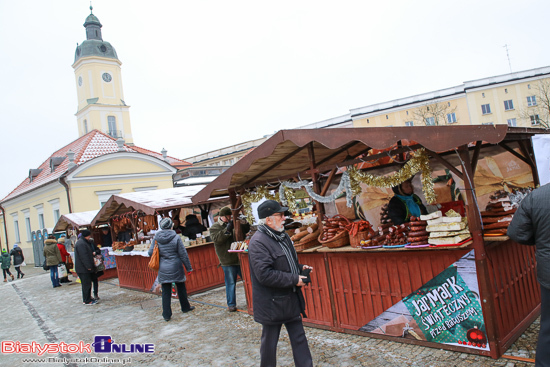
x: 98, y: 78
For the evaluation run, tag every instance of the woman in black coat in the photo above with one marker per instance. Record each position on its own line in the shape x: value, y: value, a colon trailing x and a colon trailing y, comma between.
x: 172, y: 258
x: 192, y: 227
x: 18, y: 259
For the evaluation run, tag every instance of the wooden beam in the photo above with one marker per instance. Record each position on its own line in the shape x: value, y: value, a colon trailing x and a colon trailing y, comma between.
x: 527, y: 149
x: 475, y: 157
x: 441, y: 160
x: 513, y: 152
x: 329, y: 181
x: 275, y: 165
x: 315, y: 180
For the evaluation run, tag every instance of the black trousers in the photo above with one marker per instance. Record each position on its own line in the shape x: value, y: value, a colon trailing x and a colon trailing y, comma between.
x: 167, y: 298
x: 6, y: 271
x: 543, y: 346
x: 86, y: 281
x: 298, y: 341
x: 95, y: 284
x: 19, y: 272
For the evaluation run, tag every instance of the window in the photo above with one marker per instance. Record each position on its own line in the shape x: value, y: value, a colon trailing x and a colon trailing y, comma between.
x: 85, y: 126
x: 483, y: 95
x: 451, y: 118
x: 103, y: 196
x: 512, y: 122
x: 505, y: 90
x: 486, y: 109
x: 111, y: 121
x: 487, y: 123
x: 409, y: 123
x: 508, y: 105
x: 15, y: 218
x: 40, y: 212
x: 531, y: 101
x: 430, y: 121
x: 27, y: 214
x: 16, y: 229
x: 55, y: 209
x: 535, y: 120
x: 28, y: 228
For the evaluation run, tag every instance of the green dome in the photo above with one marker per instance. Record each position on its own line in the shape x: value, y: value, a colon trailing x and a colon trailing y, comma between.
x: 94, y: 44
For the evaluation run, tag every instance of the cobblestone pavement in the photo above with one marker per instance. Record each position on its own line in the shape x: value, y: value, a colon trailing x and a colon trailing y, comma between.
x: 208, y: 336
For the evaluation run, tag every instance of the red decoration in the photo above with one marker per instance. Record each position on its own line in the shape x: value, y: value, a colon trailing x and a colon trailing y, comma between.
x: 476, y: 336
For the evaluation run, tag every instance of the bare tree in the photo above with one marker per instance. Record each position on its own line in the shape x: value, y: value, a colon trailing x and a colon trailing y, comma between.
x: 538, y: 109
x: 433, y: 113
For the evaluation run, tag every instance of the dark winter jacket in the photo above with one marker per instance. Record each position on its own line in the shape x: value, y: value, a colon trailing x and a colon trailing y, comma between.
x: 51, y: 253
x: 83, y: 258
x: 172, y: 257
x: 6, y: 260
x: 192, y: 227
x: 398, y: 211
x: 18, y: 256
x: 275, y: 296
x: 222, y: 242
x: 531, y: 226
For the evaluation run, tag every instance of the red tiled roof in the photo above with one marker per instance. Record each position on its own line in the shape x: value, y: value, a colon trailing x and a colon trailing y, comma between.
x: 89, y: 146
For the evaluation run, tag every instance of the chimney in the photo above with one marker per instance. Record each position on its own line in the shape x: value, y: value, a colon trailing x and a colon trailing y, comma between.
x: 70, y: 155
x: 120, y: 143
x: 164, y: 151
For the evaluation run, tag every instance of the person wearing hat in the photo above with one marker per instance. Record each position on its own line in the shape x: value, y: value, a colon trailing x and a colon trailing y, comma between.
x: 18, y: 259
x: 405, y: 204
x: 277, y: 286
x: 222, y: 234
x: 84, y: 265
x: 172, y: 257
x: 53, y: 259
x: 5, y: 259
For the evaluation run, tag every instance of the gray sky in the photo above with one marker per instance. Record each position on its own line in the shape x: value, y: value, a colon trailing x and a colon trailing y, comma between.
x: 200, y: 75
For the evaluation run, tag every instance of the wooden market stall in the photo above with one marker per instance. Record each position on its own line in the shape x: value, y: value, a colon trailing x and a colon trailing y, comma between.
x: 138, y: 213
x: 72, y: 224
x: 384, y: 292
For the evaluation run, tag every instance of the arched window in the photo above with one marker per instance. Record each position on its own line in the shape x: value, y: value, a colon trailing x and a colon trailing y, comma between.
x: 85, y: 126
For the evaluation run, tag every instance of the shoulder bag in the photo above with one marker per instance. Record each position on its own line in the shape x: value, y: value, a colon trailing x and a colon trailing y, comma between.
x: 154, y: 262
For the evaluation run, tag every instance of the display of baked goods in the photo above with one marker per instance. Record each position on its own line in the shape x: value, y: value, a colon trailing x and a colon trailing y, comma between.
x: 500, y: 210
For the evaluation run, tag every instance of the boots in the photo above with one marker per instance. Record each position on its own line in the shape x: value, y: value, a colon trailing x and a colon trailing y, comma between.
x: 12, y: 277
x: 5, y: 280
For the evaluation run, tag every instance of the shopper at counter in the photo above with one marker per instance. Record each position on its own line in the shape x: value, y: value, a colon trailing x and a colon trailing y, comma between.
x: 172, y: 255
x: 276, y: 286
x: 531, y: 226
x: 405, y: 203
x: 192, y: 227
x: 84, y: 265
x: 222, y: 235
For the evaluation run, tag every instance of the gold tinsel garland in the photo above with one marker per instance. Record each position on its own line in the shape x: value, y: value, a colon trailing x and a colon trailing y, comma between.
x: 290, y: 198
x: 253, y: 197
x: 418, y: 163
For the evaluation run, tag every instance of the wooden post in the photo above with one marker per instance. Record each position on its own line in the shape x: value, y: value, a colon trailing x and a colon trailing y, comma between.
x: 316, y: 183
x: 236, y: 223
x: 482, y: 270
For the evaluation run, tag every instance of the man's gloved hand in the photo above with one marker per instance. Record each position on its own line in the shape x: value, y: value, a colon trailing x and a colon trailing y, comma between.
x: 229, y: 228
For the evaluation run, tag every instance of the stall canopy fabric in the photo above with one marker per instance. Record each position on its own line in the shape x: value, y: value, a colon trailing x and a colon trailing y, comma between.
x: 75, y: 220
x: 150, y: 201
x: 289, y: 152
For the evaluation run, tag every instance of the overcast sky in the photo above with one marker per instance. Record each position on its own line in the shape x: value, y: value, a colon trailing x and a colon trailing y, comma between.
x: 201, y: 75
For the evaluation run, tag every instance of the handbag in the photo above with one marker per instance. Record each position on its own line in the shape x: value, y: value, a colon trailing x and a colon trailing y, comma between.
x: 62, y: 271
x: 45, y: 265
x: 99, y: 264
x: 154, y: 262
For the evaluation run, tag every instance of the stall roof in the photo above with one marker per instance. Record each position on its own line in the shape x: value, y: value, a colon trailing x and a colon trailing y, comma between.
x: 75, y: 220
x: 150, y: 201
x: 288, y: 151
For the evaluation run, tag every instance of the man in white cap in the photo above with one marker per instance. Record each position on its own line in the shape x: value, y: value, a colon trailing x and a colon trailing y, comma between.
x: 276, y: 286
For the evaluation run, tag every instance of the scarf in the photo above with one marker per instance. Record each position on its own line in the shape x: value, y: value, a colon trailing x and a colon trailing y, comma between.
x: 286, y: 244
x: 409, y: 201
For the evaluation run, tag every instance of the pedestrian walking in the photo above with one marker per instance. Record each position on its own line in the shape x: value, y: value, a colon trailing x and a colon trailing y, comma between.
x: 18, y: 260
x: 84, y: 265
x: 531, y: 226
x: 53, y: 259
x: 172, y: 257
x: 277, y: 286
x: 6, y: 263
x: 222, y: 235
